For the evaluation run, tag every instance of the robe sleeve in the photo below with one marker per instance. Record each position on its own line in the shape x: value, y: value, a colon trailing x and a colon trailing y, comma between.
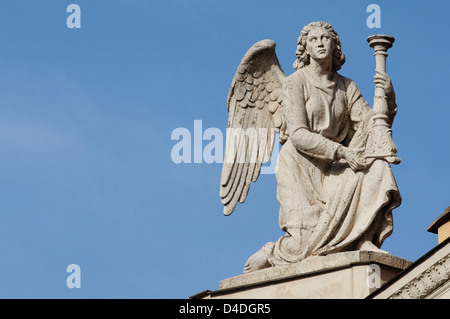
x: 303, y: 139
x: 359, y: 108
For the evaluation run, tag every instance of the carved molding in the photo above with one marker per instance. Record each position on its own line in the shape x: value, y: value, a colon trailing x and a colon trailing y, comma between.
x: 426, y: 282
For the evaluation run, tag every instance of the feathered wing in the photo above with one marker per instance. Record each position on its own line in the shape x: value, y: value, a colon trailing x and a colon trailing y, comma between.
x: 255, y: 115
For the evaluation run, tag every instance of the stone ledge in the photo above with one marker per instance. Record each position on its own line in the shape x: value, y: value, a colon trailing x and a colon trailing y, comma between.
x: 312, y: 266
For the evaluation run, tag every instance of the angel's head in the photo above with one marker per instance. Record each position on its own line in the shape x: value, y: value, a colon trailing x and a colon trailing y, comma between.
x: 303, y: 57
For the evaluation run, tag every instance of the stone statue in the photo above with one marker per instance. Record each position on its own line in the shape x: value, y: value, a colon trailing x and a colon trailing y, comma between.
x: 335, y: 186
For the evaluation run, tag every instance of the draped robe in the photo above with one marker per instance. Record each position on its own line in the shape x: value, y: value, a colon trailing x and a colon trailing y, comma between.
x: 325, y: 206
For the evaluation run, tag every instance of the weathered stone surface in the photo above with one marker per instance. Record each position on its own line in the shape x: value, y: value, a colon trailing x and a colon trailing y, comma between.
x: 335, y: 185
x: 346, y: 275
x: 427, y: 278
x: 314, y: 265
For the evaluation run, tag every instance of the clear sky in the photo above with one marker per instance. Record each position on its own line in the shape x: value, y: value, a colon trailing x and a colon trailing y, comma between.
x: 86, y: 117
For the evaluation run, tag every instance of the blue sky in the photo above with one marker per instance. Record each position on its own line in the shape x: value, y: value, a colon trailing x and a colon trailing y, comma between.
x: 86, y: 117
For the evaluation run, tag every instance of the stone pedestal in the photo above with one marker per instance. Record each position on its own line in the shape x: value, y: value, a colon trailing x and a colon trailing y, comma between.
x: 349, y: 275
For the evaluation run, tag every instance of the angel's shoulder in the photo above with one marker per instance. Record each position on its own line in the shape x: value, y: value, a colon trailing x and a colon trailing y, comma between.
x: 346, y: 83
x: 295, y: 80
x: 298, y: 75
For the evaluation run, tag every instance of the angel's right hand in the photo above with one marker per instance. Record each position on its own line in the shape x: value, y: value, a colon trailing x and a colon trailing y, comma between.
x: 351, y: 158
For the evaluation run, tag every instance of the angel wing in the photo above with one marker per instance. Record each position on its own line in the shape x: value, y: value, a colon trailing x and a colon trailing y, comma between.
x: 255, y: 115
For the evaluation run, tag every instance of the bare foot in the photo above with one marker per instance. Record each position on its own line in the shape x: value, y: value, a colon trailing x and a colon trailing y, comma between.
x: 369, y: 246
x: 259, y: 260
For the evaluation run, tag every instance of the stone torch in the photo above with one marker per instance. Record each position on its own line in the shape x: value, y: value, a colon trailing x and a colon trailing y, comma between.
x: 380, y: 143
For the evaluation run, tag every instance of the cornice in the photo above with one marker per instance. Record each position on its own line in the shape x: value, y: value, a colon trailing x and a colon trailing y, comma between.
x: 426, y: 282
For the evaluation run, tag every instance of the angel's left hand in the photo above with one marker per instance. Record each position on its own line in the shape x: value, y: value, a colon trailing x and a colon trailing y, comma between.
x: 383, y: 81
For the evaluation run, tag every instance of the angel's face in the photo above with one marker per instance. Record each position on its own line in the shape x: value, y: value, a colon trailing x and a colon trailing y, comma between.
x: 319, y: 44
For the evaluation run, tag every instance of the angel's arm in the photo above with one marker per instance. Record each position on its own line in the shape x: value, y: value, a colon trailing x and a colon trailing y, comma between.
x: 359, y: 108
x: 302, y: 138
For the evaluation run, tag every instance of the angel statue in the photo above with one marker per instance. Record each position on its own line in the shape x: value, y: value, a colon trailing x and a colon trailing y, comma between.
x: 332, y: 197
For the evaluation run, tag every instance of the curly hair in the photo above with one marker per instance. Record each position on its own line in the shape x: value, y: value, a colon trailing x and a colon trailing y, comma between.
x: 303, y: 56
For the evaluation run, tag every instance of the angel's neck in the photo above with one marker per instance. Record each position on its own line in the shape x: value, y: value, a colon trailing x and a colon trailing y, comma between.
x: 321, y: 68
